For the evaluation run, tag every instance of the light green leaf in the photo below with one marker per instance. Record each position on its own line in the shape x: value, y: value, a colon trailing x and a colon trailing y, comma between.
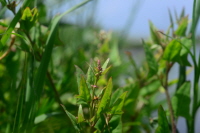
x: 186, y: 45
x: 106, y: 70
x: 154, y: 34
x: 152, y: 63
x: 80, y: 114
x: 27, y: 15
x: 118, y: 105
x: 163, y: 126
x: 182, y: 27
x: 72, y: 119
x: 172, y: 51
x: 181, y: 101
x: 105, y: 64
x: 106, y: 98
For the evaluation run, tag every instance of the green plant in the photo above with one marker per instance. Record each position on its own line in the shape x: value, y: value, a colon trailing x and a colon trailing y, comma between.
x: 162, y: 52
x: 99, y: 109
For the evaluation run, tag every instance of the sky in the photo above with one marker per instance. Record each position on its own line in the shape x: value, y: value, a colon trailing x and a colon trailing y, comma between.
x: 113, y: 14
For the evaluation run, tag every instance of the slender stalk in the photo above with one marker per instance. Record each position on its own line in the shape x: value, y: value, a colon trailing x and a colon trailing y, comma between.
x: 9, y: 49
x: 196, y: 71
x: 165, y: 85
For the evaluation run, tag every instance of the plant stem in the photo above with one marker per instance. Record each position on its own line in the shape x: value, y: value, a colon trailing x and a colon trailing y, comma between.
x: 196, y: 69
x: 165, y: 85
x: 9, y: 49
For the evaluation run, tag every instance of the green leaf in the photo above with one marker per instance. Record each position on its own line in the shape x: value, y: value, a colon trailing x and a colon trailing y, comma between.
x: 79, y: 74
x: 152, y: 63
x: 106, y: 98
x: 84, y: 93
x: 181, y: 101
x: 116, y: 95
x: 27, y: 15
x: 29, y: 18
x: 106, y: 70
x: 186, y: 45
x: 154, y: 34
x: 163, y: 126
x: 19, y: 35
x: 90, y: 77
x: 172, y: 51
x: 105, y: 64
x: 115, y: 125
x: 117, y: 107
x: 182, y: 27
x: 72, y: 119
x: 80, y: 114
x: 13, y: 24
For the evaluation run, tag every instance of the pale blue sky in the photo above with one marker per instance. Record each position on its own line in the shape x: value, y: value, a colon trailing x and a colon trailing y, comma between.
x: 113, y: 14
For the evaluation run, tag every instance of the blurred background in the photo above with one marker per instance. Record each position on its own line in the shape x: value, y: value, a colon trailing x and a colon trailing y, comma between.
x: 120, y: 23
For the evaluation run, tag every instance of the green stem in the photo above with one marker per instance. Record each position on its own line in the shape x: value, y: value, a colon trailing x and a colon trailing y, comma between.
x: 196, y: 71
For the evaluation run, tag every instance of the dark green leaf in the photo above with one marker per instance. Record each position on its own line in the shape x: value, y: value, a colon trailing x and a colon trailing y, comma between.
x: 181, y: 101
x: 163, y: 126
x: 72, y: 119
x: 115, y: 124
x: 115, y: 95
x: 118, y: 105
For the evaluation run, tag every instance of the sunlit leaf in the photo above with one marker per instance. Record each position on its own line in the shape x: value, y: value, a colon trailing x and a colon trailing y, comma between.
x: 172, y: 51
x: 106, y: 70
x: 104, y: 66
x: 154, y: 33
x: 80, y: 114
x: 182, y: 27
x: 106, y: 98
